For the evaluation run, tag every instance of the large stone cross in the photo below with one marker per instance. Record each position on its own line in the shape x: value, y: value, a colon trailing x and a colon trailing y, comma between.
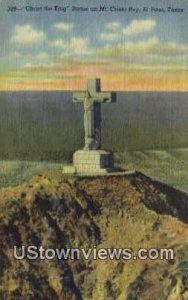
x: 92, y: 99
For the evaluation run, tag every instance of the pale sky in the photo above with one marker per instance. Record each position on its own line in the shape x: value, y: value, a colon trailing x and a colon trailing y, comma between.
x: 128, y: 50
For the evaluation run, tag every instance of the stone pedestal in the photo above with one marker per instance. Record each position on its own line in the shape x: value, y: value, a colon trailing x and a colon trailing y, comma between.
x: 91, y: 162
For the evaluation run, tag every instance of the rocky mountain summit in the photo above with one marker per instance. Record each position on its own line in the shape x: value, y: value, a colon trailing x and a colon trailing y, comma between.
x: 127, y: 211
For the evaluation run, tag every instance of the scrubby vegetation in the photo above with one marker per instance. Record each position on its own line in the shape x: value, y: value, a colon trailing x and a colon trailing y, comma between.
x: 117, y: 211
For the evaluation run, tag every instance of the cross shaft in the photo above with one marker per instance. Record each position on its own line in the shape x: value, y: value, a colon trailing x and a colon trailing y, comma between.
x: 92, y: 99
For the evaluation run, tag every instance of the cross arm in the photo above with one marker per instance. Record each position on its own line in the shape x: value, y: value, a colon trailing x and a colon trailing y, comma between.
x: 104, y: 97
x: 79, y: 96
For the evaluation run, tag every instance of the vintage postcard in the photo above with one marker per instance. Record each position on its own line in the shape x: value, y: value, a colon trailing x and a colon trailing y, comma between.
x: 94, y: 150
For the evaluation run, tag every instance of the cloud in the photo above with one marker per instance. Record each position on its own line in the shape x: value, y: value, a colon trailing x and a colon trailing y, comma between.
x: 63, y: 26
x: 138, y: 52
x: 79, y: 42
x: 172, y: 49
x: 59, y: 43
x: 109, y: 36
x: 122, y: 50
x: 31, y: 60
x: 144, y: 50
x: 112, y: 32
x: 134, y: 28
x: 140, y: 26
x: 42, y: 56
x: 29, y: 65
x: 36, y: 57
x: 27, y: 35
x: 76, y: 45
x: 113, y: 26
x: 141, y: 47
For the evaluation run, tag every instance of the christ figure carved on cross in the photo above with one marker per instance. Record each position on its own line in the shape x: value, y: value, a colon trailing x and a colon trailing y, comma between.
x: 92, y: 99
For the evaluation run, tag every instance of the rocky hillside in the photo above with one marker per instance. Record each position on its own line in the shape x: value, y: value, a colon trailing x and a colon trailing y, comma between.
x: 130, y: 211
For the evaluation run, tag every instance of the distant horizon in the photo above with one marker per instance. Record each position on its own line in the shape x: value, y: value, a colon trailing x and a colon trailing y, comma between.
x: 176, y: 85
x: 117, y: 91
